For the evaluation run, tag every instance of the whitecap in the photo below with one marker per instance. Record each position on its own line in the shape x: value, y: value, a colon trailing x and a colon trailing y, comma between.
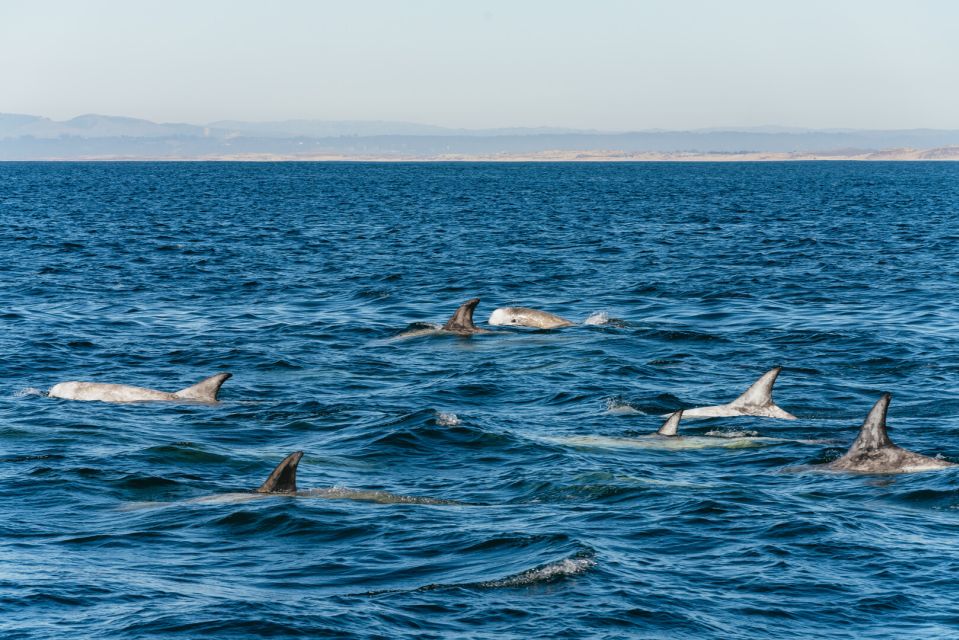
x: 447, y: 419
x: 596, y: 318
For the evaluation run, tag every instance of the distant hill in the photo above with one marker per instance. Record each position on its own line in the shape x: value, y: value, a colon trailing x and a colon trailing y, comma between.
x: 27, y: 137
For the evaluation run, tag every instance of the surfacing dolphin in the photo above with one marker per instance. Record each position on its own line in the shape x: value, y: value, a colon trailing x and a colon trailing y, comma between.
x: 757, y: 401
x: 525, y: 317
x: 874, y: 452
x: 203, y: 391
x: 667, y: 437
x: 460, y: 323
x: 282, y: 481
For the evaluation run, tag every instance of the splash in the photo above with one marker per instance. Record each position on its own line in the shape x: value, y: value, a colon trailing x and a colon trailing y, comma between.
x: 543, y: 574
x: 29, y: 391
x: 597, y: 318
x: 445, y: 419
x: 619, y: 407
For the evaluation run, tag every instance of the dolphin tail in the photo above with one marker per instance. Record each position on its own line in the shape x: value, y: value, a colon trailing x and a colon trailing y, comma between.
x: 671, y: 426
x: 462, y: 320
x: 872, y: 434
x: 283, y: 478
x: 205, y: 390
x: 758, y: 399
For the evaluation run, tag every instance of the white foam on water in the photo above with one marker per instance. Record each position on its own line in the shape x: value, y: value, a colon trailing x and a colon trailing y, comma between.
x: 546, y: 573
x: 447, y: 419
x: 29, y: 391
x: 617, y: 407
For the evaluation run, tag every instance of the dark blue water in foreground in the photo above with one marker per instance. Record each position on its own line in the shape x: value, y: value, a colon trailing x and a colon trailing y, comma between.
x: 115, y: 520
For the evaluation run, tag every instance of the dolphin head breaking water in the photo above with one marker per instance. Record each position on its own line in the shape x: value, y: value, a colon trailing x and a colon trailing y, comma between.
x: 874, y: 452
x: 524, y: 317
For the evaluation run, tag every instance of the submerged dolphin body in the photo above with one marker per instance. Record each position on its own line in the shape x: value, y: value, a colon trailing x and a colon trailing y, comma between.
x: 756, y: 401
x: 282, y: 481
x: 525, y: 317
x: 203, y: 391
x: 667, y: 437
x: 874, y: 452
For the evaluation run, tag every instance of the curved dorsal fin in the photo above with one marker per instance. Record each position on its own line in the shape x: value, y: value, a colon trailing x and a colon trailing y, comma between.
x: 671, y: 426
x: 283, y: 478
x: 872, y: 434
x: 760, y: 394
x: 462, y: 320
x: 205, y: 390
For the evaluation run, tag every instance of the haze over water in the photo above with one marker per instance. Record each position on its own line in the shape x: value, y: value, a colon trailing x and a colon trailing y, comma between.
x: 116, y: 520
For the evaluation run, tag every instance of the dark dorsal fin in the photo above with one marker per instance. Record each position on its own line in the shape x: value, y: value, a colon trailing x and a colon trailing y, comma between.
x: 462, y: 320
x: 205, y: 390
x: 760, y: 394
x: 873, y: 434
x: 283, y: 478
x: 671, y: 426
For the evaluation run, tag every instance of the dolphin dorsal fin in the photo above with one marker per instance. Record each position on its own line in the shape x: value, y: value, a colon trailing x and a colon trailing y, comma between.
x: 205, y: 390
x: 872, y: 434
x: 760, y: 394
x: 283, y: 478
x: 671, y: 426
x: 462, y: 320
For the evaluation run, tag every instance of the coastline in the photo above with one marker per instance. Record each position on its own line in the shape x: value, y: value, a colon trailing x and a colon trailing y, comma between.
x: 856, y: 155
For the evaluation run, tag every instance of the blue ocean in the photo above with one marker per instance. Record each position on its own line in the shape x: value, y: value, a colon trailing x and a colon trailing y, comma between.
x: 494, y: 486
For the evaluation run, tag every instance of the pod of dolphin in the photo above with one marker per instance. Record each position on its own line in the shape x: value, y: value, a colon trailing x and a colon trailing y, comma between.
x: 871, y: 452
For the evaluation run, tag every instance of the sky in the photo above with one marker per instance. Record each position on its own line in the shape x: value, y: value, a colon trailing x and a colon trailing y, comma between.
x: 599, y: 64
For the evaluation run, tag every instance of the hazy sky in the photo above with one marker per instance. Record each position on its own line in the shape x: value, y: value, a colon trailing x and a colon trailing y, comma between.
x: 604, y: 64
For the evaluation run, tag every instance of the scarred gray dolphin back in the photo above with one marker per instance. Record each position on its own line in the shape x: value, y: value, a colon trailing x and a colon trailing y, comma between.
x: 283, y: 478
x: 671, y: 426
x: 873, y: 434
x: 462, y: 320
x: 205, y: 390
x: 874, y: 452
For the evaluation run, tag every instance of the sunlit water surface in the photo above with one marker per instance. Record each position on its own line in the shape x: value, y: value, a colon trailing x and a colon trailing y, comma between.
x: 496, y: 486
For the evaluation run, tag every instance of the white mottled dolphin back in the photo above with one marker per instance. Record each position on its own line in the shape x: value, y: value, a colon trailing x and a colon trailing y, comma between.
x: 204, y: 391
x: 756, y: 401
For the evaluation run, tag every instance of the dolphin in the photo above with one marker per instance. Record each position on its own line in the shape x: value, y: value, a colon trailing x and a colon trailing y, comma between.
x: 874, y: 452
x: 525, y: 317
x: 282, y: 482
x: 460, y: 323
x: 756, y: 401
x: 670, y: 428
x: 203, y: 391
x: 667, y: 437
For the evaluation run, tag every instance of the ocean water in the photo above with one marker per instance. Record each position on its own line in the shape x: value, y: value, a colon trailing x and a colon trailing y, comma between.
x: 486, y: 487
